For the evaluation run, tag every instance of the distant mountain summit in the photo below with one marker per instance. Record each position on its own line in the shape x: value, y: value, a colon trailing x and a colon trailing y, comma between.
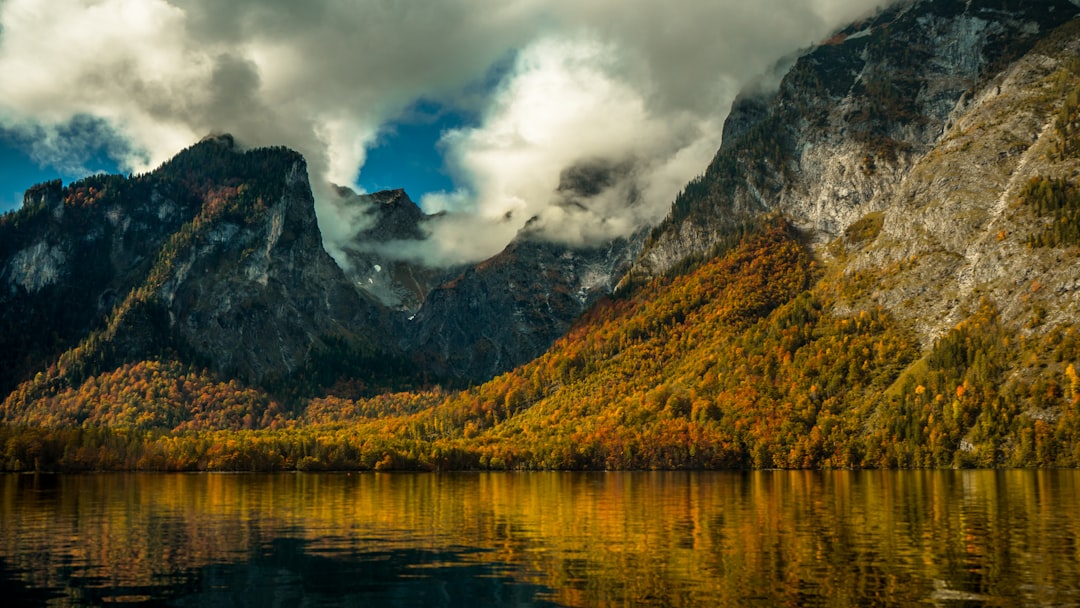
x: 393, y: 221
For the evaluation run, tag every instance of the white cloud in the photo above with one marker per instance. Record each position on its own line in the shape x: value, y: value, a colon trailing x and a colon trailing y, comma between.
x: 562, y: 106
x: 634, y: 83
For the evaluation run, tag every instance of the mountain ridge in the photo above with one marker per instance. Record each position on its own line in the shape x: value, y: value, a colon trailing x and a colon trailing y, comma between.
x: 849, y: 161
x: 240, y: 263
x: 876, y: 270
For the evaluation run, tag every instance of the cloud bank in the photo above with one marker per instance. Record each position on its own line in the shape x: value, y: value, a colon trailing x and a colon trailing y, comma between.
x: 629, y: 95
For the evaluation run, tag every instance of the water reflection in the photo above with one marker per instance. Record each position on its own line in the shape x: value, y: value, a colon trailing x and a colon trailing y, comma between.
x: 951, y: 538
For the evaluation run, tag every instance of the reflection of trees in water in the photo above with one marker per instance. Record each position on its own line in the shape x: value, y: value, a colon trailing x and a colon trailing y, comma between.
x: 288, y: 572
x: 801, y: 538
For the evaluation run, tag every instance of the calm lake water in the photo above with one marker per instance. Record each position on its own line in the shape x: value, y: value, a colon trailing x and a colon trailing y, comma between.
x: 946, y: 538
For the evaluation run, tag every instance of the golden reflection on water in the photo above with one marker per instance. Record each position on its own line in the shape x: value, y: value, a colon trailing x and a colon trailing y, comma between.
x: 579, y: 539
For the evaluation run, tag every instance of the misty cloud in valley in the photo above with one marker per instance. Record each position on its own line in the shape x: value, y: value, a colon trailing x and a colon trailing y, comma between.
x: 591, y: 115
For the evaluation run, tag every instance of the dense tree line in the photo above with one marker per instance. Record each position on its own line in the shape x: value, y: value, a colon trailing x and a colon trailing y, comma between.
x: 740, y: 363
x: 1058, y: 200
x: 1067, y: 121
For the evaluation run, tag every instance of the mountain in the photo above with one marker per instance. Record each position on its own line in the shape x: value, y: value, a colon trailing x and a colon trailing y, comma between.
x: 214, y: 259
x: 394, y: 219
x: 906, y: 147
x: 469, y: 323
x: 868, y: 274
x: 65, y: 266
x: 508, y: 310
x: 877, y: 269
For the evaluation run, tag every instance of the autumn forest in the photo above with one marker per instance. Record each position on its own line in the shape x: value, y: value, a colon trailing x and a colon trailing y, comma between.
x: 771, y: 350
x: 736, y: 364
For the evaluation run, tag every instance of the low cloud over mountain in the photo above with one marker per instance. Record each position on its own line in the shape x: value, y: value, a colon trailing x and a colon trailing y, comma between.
x: 639, y: 85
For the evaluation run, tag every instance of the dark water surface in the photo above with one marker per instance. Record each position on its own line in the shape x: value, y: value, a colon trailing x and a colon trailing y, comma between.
x: 872, y: 538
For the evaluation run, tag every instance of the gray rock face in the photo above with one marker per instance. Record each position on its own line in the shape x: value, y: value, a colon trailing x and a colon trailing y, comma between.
x: 256, y: 295
x: 850, y: 120
x: 36, y: 267
x: 215, y: 258
x: 956, y: 231
x: 70, y: 254
x: 930, y: 117
x: 509, y: 309
x: 397, y: 284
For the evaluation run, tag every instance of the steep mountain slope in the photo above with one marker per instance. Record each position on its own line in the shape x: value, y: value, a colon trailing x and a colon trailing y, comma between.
x: 70, y: 255
x: 396, y: 284
x: 964, y: 225
x: 508, y: 310
x: 746, y: 361
x: 469, y: 323
x: 252, y: 292
x: 850, y: 119
x: 215, y: 259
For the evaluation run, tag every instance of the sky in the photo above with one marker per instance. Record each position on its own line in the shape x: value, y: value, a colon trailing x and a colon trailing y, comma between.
x: 477, y: 108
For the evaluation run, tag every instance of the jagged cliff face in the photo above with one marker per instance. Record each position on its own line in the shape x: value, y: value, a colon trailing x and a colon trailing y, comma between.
x: 254, y: 293
x: 924, y: 123
x: 215, y: 258
x: 850, y: 120
x: 509, y: 309
x: 888, y: 92
x: 959, y: 227
x: 395, y: 221
x: 70, y: 255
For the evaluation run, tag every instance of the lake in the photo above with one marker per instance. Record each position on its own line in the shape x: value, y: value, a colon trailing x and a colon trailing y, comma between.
x: 769, y: 538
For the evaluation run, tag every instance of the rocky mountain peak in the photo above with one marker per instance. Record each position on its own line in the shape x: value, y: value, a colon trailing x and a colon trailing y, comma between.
x: 590, y: 177
x: 393, y: 222
x: 396, y: 217
x: 849, y: 120
x: 216, y: 258
x: 48, y: 194
x: 902, y: 146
